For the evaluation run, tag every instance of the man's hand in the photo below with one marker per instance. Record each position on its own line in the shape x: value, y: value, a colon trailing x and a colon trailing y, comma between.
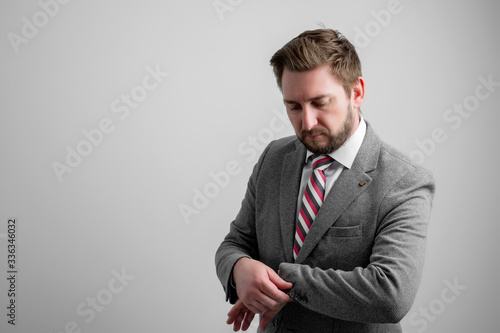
x: 241, y: 317
x: 259, y: 287
x: 269, y: 315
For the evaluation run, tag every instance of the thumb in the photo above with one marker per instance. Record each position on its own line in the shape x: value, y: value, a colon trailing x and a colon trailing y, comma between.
x: 278, y: 281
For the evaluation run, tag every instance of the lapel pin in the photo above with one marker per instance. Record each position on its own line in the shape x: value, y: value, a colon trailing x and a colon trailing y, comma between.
x: 361, y: 183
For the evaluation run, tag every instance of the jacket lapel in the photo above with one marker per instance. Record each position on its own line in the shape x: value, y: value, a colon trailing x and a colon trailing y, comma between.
x: 293, y: 163
x: 345, y: 190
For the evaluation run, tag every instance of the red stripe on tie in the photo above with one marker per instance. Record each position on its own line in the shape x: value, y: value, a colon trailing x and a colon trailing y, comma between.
x: 304, y: 217
x: 300, y: 234
x: 311, y: 203
x: 318, y: 190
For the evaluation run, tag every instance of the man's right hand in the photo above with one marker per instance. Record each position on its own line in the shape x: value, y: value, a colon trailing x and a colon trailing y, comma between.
x: 258, y: 286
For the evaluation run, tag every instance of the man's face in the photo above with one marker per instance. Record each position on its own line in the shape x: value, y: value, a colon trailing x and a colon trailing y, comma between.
x: 319, y: 109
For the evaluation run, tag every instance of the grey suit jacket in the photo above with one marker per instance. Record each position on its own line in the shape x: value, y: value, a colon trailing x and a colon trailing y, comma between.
x: 360, y: 265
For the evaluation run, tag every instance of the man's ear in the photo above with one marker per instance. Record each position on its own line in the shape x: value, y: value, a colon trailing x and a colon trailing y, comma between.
x: 358, y: 93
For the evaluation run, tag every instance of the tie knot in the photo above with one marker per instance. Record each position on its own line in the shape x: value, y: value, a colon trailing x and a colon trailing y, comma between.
x: 321, y: 162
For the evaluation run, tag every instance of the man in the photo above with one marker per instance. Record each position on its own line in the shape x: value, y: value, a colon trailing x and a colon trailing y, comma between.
x: 331, y: 233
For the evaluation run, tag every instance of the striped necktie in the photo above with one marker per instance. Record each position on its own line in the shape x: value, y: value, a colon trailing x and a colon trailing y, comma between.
x: 311, y: 201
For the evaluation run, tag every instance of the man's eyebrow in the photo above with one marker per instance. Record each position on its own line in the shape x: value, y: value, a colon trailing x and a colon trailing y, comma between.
x: 289, y: 101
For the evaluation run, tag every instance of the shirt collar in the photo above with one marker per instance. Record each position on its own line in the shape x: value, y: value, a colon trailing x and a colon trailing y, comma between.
x: 346, y: 153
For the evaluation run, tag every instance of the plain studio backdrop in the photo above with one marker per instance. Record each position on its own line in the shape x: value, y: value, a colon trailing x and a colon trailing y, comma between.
x: 129, y: 130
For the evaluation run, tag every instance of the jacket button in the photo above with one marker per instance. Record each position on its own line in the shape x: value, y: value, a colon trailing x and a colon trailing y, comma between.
x: 275, y: 322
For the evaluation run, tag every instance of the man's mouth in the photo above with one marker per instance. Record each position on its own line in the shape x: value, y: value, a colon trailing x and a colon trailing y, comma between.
x: 313, y: 134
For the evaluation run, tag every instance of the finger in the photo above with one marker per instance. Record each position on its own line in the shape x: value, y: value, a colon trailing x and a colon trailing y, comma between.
x: 258, y: 306
x: 234, y: 312
x: 239, y: 319
x: 278, y: 281
x: 237, y: 322
x: 263, y: 323
x: 274, y: 295
x: 265, y: 319
x: 248, y: 320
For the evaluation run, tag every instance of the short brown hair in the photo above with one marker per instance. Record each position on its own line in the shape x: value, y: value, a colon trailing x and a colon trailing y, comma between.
x: 319, y: 47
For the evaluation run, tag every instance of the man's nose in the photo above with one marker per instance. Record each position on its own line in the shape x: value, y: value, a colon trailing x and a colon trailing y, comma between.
x: 309, y: 120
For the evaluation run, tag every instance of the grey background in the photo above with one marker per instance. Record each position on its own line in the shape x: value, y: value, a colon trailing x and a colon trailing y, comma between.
x: 120, y: 208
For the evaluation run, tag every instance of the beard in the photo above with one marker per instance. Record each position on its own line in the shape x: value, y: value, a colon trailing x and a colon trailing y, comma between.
x: 335, y: 140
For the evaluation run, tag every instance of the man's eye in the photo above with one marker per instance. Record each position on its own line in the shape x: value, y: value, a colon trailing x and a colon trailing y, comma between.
x: 320, y: 105
x: 294, y: 107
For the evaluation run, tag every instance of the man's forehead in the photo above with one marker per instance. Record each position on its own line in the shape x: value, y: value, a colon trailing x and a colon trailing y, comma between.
x: 309, y: 85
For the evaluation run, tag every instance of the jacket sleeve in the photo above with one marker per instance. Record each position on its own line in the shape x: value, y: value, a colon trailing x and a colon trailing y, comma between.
x: 241, y: 240
x: 384, y: 290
